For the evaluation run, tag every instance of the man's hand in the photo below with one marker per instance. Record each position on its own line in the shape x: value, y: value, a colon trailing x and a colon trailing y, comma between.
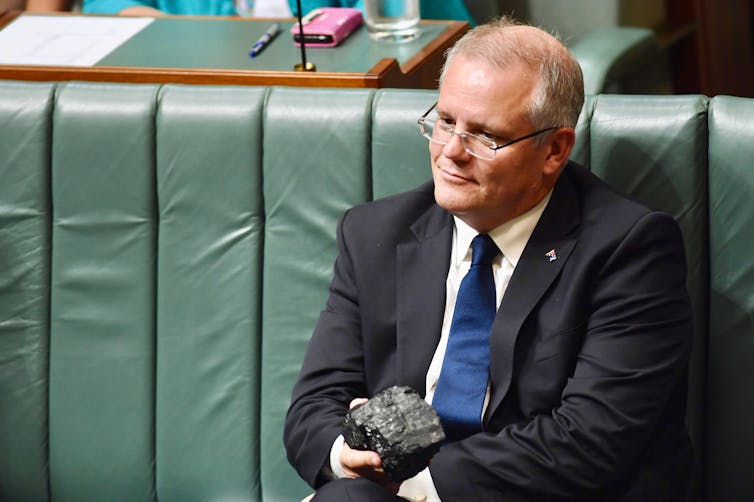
x: 365, y: 464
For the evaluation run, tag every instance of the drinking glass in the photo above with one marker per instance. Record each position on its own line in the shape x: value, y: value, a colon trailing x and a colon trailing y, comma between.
x: 392, y: 20
x: 245, y: 8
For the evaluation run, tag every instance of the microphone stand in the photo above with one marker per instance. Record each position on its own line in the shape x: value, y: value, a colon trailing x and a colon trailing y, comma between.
x: 304, y: 65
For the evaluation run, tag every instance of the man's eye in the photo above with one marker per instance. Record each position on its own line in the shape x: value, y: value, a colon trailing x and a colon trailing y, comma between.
x: 488, y: 136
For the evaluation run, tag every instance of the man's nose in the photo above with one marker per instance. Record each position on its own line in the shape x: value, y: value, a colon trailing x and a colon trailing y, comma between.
x: 455, y: 148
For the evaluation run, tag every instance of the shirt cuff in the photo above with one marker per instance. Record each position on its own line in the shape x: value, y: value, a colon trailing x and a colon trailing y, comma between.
x: 337, y: 469
x: 420, y: 488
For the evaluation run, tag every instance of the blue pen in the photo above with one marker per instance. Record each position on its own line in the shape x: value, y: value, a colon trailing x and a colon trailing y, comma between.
x: 265, y: 39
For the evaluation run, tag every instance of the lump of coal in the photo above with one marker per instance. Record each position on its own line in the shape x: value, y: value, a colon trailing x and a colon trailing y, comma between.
x: 400, y: 426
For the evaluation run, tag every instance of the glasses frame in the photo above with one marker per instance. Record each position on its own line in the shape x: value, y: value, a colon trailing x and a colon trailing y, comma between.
x: 492, y: 145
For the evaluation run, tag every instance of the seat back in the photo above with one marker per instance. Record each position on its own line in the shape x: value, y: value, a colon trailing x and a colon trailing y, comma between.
x: 165, y: 252
x: 729, y: 404
x: 25, y: 150
x: 316, y: 165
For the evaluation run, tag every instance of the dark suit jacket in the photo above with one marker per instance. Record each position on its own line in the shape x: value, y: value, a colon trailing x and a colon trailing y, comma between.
x: 588, y: 353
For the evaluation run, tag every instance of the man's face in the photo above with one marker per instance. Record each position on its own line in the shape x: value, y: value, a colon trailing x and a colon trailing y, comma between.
x: 478, y: 98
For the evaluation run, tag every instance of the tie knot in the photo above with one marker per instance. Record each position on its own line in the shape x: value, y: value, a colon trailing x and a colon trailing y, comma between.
x: 483, y: 250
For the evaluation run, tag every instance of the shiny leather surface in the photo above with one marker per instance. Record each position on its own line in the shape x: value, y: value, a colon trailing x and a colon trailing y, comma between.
x: 25, y: 149
x: 400, y: 155
x: 730, y: 400
x: 613, y: 56
x: 208, y: 263
x: 165, y: 252
x: 102, y: 293
x: 316, y: 165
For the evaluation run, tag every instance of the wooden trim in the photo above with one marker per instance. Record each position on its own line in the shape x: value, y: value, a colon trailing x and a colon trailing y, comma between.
x: 199, y: 76
x: 726, y: 55
x: 423, y: 69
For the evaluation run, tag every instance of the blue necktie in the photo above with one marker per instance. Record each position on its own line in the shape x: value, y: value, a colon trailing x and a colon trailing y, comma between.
x: 460, y: 392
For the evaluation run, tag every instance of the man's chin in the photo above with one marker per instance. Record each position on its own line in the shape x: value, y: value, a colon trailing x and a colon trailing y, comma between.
x: 451, y: 198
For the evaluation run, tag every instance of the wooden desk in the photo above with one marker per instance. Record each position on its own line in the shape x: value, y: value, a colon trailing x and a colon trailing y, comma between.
x: 215, y: 50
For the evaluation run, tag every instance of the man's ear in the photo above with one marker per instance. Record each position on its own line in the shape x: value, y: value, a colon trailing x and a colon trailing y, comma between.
x: 559, y: 145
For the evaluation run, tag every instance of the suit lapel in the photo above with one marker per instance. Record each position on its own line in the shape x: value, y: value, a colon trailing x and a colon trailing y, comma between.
x: 422, y: 266
x: 535, y: 272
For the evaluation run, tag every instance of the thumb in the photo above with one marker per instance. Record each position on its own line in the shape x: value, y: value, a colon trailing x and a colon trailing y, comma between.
x: 356, y: 402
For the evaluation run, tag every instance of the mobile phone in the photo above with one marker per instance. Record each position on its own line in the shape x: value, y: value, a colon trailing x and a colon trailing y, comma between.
x: 327, y: 26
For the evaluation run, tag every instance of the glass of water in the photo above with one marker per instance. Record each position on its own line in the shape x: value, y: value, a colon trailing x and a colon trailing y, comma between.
x: 392, y: 20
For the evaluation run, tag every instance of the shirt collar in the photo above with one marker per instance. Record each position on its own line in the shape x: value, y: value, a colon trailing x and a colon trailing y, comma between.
x: 511, y: 237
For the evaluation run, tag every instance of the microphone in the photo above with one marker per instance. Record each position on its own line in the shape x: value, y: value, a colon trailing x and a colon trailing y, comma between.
x: 304, y: 65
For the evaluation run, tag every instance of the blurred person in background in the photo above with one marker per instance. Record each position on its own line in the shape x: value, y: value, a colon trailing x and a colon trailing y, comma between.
x: 448, y: 9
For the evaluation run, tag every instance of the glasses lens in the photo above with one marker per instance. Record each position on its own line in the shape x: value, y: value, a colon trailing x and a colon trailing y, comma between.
x: 477, y: 147
x: 439, y: 132
x: 433, y: 131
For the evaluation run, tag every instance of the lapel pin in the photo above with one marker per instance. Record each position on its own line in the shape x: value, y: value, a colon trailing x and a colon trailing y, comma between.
x: 551, y: 255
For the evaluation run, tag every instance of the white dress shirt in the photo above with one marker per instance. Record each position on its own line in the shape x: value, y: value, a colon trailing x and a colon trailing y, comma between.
x: 511, y: 238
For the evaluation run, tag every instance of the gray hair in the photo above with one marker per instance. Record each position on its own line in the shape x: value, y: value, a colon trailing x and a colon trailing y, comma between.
x: 559, y: 95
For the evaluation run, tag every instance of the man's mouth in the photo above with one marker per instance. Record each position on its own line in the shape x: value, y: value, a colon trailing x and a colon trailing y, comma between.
x: 453, y: 175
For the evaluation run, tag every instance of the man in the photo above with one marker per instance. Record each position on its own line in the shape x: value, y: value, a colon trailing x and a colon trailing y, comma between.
x: 587, y: 353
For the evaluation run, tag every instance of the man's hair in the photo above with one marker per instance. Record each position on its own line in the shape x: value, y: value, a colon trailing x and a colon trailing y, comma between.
x: 559, y: 94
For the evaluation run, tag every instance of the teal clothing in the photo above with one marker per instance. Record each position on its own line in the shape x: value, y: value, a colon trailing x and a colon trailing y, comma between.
x: 429, y: 9
x: 186, y: 7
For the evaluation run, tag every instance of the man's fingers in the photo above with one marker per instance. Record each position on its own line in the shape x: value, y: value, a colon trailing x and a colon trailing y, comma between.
x: 366, y: 464
x: 357, y: 401
x: 359, y: 460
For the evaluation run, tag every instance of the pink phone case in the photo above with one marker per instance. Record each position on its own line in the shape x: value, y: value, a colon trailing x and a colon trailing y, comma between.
x: 327, y: 26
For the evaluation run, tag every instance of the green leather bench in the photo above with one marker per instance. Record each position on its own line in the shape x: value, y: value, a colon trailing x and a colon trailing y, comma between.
x: 165, y: 252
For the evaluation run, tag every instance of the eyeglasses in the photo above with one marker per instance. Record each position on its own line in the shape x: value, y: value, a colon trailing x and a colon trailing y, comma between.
x: 478, y: 145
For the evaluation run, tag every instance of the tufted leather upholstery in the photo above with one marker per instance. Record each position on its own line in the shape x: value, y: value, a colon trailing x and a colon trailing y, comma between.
x: 165, y: 252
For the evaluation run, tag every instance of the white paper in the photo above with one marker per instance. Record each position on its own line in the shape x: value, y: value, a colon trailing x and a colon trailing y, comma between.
x: 65, y: 40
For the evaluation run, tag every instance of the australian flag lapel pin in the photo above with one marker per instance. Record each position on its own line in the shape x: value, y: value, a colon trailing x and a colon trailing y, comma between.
x: 551, y: 255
